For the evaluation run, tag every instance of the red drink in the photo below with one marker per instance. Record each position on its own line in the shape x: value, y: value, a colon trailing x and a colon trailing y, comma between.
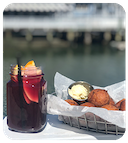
x: 26, y: 102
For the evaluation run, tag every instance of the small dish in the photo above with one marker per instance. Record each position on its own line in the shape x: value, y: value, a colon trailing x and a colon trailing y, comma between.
x: 87, y: 86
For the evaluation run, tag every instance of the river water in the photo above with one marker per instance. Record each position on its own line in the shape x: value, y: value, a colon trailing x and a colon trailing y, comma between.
x: 95, y: 64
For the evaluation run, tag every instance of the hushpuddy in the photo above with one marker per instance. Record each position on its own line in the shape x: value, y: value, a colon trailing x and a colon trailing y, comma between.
x: 110, y: 107
x: 99, y: 97
x: 71, y: 102
x: 119, y: 102
x: 123, y: 105
x: 88, y: 104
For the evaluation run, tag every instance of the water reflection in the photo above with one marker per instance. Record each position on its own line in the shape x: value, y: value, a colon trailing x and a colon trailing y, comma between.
x: 80, y: 62
x: 97, y: 64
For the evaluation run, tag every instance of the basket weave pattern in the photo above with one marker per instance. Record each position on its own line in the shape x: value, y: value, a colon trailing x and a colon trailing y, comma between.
x: 91, y: 122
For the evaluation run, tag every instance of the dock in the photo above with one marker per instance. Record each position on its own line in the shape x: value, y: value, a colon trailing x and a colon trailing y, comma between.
x: 79, y: 22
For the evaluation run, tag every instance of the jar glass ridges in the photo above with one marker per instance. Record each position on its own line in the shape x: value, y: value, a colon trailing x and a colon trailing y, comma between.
x: 26, y: 100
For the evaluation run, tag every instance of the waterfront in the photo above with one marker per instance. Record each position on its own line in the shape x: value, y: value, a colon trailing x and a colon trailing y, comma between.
x: 97, y: 64
x: 81, y: 41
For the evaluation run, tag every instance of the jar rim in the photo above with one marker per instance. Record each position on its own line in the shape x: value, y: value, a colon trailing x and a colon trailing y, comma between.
x: 26, y: 71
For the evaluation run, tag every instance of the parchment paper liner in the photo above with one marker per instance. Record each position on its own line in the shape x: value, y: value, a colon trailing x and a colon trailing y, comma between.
x: 57, y: 106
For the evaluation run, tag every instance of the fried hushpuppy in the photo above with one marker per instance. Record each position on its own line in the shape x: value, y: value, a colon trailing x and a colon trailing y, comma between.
x: 119, y: 102
x: 99, y: 97
x: 88, y: 104
x: 123, y: 105
x: 110, y: 107
x: 71, y: 102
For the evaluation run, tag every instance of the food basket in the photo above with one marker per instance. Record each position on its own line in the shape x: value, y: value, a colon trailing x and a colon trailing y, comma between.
x: 91, y: 122
x: 92, y: 125
x: 87, y: 118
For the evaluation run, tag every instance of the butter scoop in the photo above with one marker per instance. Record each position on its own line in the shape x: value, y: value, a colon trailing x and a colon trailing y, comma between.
x: 79, y: 90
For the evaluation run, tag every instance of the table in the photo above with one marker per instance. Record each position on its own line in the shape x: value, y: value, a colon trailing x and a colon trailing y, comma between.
x: 56, y: 130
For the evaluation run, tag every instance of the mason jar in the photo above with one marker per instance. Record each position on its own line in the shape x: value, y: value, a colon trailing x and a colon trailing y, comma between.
x: 26, y: 100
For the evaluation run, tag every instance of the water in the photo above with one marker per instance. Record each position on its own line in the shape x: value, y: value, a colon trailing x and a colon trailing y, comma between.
x: 96, y: 64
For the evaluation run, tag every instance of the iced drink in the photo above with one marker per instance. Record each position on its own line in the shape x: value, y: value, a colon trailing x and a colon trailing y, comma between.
x: 26, y: 99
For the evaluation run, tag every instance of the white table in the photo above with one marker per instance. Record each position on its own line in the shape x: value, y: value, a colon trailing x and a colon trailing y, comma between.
x: 55, y: 130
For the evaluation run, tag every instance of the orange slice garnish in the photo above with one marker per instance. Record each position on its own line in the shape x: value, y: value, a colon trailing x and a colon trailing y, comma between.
x: 16, y: 67
x: 29, y: 69
x: 30, y: 64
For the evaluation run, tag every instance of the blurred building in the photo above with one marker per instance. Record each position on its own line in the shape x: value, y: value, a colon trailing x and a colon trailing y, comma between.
x: 35, y: 9
x: 67, y: 16
x: 81, y: 21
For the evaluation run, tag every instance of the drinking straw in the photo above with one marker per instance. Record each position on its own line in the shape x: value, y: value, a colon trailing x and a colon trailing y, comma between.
x: 19, y: 69
x: 20, y: 88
